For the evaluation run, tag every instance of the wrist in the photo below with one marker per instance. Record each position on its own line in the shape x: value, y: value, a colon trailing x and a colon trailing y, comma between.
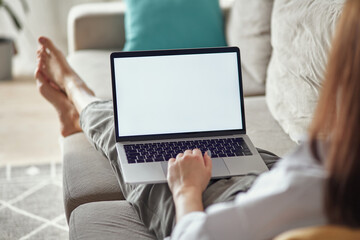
x: 187, y: 200
x: 189, y: 197
x: 187, y: 192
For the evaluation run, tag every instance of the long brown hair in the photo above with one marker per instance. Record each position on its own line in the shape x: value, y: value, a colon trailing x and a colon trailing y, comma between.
x: 337, y: 121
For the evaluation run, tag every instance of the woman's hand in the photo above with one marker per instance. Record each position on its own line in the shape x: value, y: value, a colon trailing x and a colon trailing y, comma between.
x: 188, y: 176
x: 189, y: 171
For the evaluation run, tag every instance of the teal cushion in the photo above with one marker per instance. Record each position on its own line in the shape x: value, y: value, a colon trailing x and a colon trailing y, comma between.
x: 169, y: 24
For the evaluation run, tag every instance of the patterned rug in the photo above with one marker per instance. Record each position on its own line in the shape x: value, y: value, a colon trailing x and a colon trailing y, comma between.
x: 31, y: 203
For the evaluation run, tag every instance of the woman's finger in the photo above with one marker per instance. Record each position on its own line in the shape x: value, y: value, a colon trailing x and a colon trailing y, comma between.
x: 171, y: 164
x: 197, y: 151
x: 188, y: 152
x: 54, y: 85
x: 171, y: 160
x: 179, y: 155
x: 207, y: 160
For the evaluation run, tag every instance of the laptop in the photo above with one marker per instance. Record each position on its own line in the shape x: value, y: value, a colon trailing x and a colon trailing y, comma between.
x: 168, y: 101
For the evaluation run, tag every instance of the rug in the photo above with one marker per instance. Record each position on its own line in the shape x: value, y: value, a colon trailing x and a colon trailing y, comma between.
x: 31, y: 202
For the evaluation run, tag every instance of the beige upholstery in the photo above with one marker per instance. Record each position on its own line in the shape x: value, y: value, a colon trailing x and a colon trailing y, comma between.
x: 330, y: 232
x: 107, y: 221
x: 301, y: 36
x: 250, y: 87
x: 96, y: 26
x: 94, y: 67
x: 97, y: 73
x: 248, y: 27
x: 87, y: 176
x: 262, y: 128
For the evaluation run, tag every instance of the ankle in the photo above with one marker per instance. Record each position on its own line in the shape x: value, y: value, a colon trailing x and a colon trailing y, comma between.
x: 74, y: 84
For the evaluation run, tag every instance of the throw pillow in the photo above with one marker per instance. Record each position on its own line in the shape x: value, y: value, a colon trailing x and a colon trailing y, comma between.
x: 165, y: 24
x: 301, y: 37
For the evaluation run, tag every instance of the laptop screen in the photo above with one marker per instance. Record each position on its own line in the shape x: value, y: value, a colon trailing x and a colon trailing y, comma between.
x: 176, y: 93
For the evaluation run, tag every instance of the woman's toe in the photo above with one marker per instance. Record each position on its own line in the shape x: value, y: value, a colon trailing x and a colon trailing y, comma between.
x: 47, y: 43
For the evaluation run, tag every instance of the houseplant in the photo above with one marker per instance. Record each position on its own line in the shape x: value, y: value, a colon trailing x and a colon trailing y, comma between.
x: 7, y: 46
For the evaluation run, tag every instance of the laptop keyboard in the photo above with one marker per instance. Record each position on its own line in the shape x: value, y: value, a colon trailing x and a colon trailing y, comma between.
x: 163, y: 151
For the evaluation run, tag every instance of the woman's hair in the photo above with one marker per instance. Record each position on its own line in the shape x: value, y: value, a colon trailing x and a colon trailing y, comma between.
x: 337, y: 121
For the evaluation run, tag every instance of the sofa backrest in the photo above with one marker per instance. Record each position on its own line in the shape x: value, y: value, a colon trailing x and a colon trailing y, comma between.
x: 284, y: 45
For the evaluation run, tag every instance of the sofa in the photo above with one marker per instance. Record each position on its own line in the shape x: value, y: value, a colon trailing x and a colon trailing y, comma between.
x: 284, y: 47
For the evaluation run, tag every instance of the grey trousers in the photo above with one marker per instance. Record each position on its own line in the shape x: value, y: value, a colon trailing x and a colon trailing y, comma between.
x: 153, y: 202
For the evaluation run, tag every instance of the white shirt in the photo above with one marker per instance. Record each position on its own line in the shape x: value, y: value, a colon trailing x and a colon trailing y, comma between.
x: 287, y: 197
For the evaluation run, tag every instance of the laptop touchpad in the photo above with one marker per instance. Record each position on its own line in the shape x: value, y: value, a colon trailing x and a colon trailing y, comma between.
x: 219, y: 168
x: 164, y: 166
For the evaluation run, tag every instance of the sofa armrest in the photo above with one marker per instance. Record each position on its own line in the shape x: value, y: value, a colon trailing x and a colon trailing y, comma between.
x: 96, y: 26
x: 87, y: 174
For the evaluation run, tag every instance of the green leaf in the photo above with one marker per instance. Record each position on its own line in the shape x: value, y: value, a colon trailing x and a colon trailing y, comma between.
x: 13, y: 16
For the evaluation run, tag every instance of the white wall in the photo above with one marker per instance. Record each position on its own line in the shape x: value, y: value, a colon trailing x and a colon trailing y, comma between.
x: 46, y: 17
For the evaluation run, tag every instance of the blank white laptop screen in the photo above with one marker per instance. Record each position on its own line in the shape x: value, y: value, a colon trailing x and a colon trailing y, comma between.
x: 177, y: 94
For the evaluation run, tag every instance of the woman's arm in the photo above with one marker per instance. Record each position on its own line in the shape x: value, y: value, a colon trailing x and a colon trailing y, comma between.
x: 188, y: 176
x: 186, y: 202
x: 287, y: 197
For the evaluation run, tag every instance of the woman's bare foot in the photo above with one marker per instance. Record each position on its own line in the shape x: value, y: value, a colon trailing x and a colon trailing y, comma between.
x: 68, y: 116
x: 53, y: 66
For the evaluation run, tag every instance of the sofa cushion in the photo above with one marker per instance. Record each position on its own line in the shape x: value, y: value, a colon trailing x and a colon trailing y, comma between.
x: 262, y: 128
x: 163, y: 24
x: 301, y: 37
x: 88, y: 176
x: 93, y: 66
x: 96, y: 73
x: 107, y: 220
x: 248, y: 27
x: 250, y: 87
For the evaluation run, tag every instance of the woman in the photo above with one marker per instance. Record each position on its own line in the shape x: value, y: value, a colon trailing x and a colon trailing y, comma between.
x: 323, y: 172
x: 314, y: 185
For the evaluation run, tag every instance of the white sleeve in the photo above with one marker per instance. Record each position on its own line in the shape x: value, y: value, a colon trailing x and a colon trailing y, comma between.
x: 279, y: 200
x: 205, y: 225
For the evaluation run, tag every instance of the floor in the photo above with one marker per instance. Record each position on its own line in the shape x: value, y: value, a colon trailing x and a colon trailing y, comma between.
x: 31, y: 205
x: 29, y: 132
